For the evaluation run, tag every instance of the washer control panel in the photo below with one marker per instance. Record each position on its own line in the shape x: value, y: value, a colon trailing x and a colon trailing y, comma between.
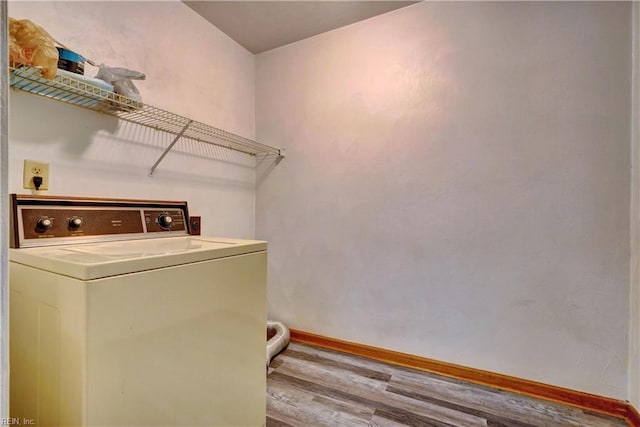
x: 49, y: 220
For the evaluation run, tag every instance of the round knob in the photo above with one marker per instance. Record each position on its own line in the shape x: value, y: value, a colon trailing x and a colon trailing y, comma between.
x: 75, y: 222
x: 165, y: 220
x: 44, y: 224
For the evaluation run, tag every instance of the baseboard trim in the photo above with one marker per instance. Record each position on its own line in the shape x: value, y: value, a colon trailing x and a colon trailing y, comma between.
x: 604, y: 405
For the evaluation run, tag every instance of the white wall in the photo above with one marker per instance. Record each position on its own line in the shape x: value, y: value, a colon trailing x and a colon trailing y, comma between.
x: 457, y: 186
x: 192, y: 69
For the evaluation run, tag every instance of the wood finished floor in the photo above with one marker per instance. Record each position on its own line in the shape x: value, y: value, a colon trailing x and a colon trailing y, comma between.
x: 309, y: 386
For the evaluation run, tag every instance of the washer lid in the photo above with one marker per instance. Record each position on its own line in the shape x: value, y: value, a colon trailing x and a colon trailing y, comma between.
x: 92, y: 261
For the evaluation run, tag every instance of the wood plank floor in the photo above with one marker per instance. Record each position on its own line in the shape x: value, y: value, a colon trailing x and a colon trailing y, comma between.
x: 309, y: 386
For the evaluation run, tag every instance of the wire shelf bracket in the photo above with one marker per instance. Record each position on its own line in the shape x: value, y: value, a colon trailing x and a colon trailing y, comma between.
x: 164, y: 153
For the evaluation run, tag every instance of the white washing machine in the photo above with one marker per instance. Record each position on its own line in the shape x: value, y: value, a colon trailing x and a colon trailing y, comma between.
x: 119, y: 317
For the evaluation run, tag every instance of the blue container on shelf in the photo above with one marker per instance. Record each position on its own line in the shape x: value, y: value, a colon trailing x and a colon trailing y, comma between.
x: 70, y: 61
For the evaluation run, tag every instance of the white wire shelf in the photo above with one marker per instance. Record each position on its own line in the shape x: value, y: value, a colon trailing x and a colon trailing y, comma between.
x: 77, y: 92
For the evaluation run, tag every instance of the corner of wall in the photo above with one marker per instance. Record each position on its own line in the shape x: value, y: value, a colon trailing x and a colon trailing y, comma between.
x: 4, y: 209
x: 634, y: 300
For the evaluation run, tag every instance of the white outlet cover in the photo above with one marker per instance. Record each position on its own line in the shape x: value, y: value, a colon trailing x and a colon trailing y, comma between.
x: 35, y: 168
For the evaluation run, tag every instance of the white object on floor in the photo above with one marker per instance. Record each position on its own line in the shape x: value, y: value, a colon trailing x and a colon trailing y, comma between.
x: 277, y: 342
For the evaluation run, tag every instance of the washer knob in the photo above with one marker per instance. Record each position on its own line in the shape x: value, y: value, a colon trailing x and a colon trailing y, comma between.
x: 44, y: 224
x: 75, y: 222
x: 165, y: 220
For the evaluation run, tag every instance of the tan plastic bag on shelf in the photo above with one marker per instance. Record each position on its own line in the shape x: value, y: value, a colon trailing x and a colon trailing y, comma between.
x: 16, y: 55
x: 29, y: 44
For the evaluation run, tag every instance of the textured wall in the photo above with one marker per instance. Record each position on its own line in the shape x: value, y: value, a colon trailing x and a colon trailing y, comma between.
x: 192, y: 69
x: 457, y: 186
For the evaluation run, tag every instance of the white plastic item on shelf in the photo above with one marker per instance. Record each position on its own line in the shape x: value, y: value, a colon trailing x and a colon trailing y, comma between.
x: 88, y: 80
x: 121, y: 78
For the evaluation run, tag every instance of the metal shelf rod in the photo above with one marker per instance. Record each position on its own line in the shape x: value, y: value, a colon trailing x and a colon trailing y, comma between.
x: 178, y: 136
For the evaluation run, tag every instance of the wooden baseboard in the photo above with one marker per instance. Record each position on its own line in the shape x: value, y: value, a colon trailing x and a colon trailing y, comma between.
x: 592, y: 402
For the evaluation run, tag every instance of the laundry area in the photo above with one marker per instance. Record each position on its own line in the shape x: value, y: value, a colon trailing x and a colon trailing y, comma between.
x: 229, y: 213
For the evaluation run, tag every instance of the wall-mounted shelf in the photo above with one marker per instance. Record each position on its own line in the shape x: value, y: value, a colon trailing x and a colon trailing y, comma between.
x: 75, y: 91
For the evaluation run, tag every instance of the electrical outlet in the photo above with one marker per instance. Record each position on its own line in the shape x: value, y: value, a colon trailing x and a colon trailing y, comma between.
x: 33, y: 169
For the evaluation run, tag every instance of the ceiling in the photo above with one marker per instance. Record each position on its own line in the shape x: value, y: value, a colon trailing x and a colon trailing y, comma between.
x: 263, y: 25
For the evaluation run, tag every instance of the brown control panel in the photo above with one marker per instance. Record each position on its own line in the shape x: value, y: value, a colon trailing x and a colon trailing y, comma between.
x: 46, y: 223
x: 48, y: 220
